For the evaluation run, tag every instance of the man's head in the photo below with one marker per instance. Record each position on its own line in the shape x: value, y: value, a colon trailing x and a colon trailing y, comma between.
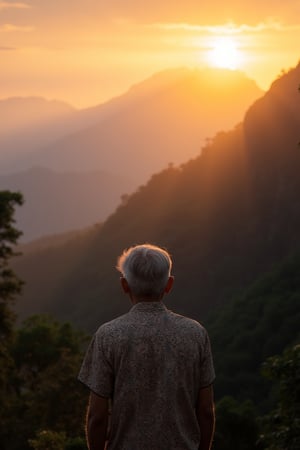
x: 146, y: 271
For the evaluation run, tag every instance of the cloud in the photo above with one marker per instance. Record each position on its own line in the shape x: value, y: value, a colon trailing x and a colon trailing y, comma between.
x: 8, y: 5
x: 9, y: 28
x: 227, y: 28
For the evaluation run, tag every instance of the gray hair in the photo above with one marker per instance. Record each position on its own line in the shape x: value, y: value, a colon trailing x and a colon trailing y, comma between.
x: 146, y: 268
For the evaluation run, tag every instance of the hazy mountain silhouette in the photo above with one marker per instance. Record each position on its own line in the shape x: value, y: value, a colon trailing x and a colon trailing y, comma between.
x: 163, y: 119
x: 23, y: 112
x: 28, y: 123
x: 226, y: 216
x: 57, y: 202
x: 160, y: 120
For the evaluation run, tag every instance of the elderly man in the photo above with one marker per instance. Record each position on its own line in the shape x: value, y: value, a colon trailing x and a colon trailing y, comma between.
x: 154, y: 368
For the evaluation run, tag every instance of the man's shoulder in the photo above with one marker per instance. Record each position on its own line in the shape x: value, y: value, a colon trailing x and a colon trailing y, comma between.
x: 176, y: 323
x: 185, y: 322
x: 112, y: 325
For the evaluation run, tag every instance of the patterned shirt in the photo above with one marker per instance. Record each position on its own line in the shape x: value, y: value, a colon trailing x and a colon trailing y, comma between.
x: 151, y: 363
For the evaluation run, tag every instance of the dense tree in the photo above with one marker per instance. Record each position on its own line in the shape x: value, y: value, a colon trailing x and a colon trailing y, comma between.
x: 10, y: 286
x: 47, y: 356
x: 282, y: 426
x: 236, y: 425
x: 52, y: 440
x: 38, y: 363
x: 261, y: 322
x: 48, y: 440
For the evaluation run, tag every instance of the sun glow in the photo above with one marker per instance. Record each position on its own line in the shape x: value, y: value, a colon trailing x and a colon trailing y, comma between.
x: 225, y: 53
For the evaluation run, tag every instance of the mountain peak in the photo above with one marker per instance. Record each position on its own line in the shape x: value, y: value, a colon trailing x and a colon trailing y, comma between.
x: 209, y: 77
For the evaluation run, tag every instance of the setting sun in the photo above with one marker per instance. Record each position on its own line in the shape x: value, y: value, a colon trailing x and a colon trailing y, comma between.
x: 225, y: 53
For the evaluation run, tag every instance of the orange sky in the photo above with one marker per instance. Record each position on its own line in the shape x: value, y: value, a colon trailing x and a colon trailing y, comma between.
x: 86, y: 51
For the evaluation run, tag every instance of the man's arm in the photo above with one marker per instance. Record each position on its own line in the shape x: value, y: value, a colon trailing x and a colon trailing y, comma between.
x: 206, y: 417
x: 97, y: 422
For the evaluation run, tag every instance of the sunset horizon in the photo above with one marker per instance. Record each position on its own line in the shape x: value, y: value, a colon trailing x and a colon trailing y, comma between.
x: 86, y: 54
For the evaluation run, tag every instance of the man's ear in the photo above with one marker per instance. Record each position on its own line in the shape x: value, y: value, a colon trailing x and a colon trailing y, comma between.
x: 124, y: 285
x: 169, y: 284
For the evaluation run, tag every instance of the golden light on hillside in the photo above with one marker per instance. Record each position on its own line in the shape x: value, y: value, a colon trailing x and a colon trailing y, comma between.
x: 225, y: 53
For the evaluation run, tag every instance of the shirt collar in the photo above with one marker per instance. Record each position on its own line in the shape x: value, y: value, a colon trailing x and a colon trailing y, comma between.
x: 150, y: 306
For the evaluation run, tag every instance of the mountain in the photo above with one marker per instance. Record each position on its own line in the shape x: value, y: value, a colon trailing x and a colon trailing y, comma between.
x: 31, y: 123
x: 27, y: 123
x: 23, y: 112
x: 48, y: 149
x: 64, y: 255
x: 56, y: 202
x: 163, y: 119
x: 227, y: 216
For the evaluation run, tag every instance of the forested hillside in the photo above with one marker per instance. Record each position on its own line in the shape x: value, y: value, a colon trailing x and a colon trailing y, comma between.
x: 227, y: 216
x: 260, y: 322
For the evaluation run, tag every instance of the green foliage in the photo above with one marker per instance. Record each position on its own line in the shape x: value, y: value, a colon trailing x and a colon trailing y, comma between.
x: 46, y: 393
x: 48, y: 440
x: 8, y: 234
x: 77, y: 443
x: 41, y: 340
x: 236, y: 425
x: 282, y: 426
x: 38, y: 363
x: 258, y: 324
x: 53, y: 440
x: 10, y: 284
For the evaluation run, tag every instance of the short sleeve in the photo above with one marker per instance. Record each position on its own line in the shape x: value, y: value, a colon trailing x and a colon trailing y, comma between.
x: 207, y: 371
x: 97, y: 370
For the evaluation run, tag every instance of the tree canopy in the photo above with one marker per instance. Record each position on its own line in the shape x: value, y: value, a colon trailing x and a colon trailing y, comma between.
x: 282, y: 425
x: 10, y: 284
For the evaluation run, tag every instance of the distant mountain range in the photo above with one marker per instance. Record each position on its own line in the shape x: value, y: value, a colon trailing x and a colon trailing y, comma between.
x: 226, y: 216
x: 58, y: 202
x: 48, y: 149
x: 28, y: 124
x: 161, y: 120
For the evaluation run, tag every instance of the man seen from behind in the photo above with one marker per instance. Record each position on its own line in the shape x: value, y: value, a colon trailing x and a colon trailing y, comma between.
x: 154, y: 368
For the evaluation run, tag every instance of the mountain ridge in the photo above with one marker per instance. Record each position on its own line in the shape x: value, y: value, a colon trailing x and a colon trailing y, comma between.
x: 57, y: 202
x: 222, y: 215
x: 161, y: 120
x: 142, y: 118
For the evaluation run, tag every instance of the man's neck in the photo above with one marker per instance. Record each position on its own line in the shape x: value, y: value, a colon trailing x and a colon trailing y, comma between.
x: 135, y: 300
